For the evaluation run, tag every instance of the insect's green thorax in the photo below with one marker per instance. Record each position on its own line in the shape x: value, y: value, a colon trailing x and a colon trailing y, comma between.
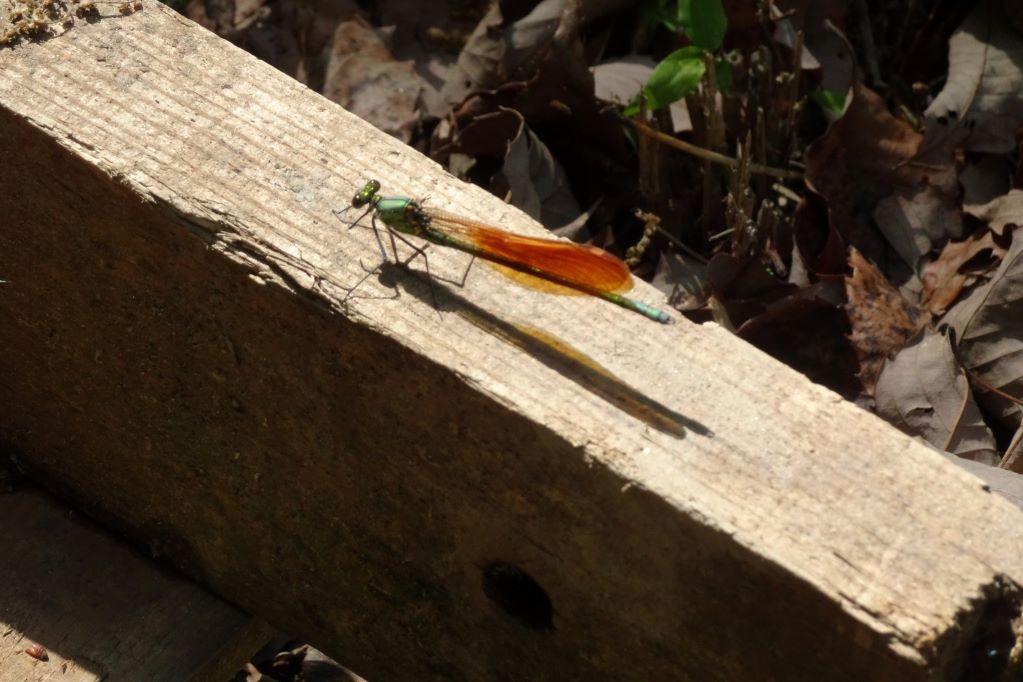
x: 394, y: 212
x: 398, y: 213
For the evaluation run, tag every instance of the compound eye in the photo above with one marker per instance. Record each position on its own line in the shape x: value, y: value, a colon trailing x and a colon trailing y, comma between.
x: 366, y: 194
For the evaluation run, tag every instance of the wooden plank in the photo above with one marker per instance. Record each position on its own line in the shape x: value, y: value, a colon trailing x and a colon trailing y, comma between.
x: 407, y: 486
x: 102, y: 611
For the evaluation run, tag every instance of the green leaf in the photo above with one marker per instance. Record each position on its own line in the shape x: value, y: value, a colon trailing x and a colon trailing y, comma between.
x: 704, y: 22
x: 675, y: 77
x: 632, y: 108
x: 830, y: 100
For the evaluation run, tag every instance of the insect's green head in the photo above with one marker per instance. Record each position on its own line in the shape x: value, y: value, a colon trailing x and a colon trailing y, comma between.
x: 367, y: 195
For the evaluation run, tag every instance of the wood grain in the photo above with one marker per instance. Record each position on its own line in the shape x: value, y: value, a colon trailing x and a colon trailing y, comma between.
x: 354, y: 467
x: 99, y: 609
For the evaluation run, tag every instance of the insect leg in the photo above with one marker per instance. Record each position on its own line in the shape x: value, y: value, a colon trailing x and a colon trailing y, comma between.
x: 383, y: 253
x: 465, y: 275
x: 416, y: 251
x: 338, y: 214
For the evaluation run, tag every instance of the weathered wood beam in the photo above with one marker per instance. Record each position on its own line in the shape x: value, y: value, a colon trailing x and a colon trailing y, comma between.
x: 99, y: 610
x: 436, y: 492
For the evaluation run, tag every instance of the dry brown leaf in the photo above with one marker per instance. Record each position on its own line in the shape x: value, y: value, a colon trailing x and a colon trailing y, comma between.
x: 924, y: 392
x: 882, y: 320
x: 864, y: 156
x: 957, y: 267
x: 529, y: 176
x: 870, y: 142
x: 364, y: 77
x: 479, y: 62
x: 553, y: 86
x: 620, y: 80
x: 682, y: 279
x: 815, y: 244
x: 821, y: 22
x: 989, y: 326
x: 1005, y: 211
x: 985, y: 179
x: 805, y: 328
x: 535, y: 181
x: 914, y: 219
x: 980, y: 108
x: 743, y: 287
x: 424, y: 44
x: 503, y: 49
x: 38, y: 652
x: 533, y: 33
x: 810, y: 335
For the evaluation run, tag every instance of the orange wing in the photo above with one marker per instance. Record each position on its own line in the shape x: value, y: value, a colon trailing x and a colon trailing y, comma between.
x: 578, y: 264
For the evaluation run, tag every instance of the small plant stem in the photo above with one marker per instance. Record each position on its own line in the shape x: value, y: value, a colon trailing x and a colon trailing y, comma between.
x: 708, y: 155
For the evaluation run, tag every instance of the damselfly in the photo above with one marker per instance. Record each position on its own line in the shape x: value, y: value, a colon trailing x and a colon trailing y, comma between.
x: 570, y: 267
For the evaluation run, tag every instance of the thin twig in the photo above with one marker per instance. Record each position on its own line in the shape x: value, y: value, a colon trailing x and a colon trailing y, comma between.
x: 708, y: 155
x: 985, y: 385
x: 669, y: 236
x: 793, y: 93
x: 1013, y: 453
x: 786, y: 192
x: 712, y: 137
